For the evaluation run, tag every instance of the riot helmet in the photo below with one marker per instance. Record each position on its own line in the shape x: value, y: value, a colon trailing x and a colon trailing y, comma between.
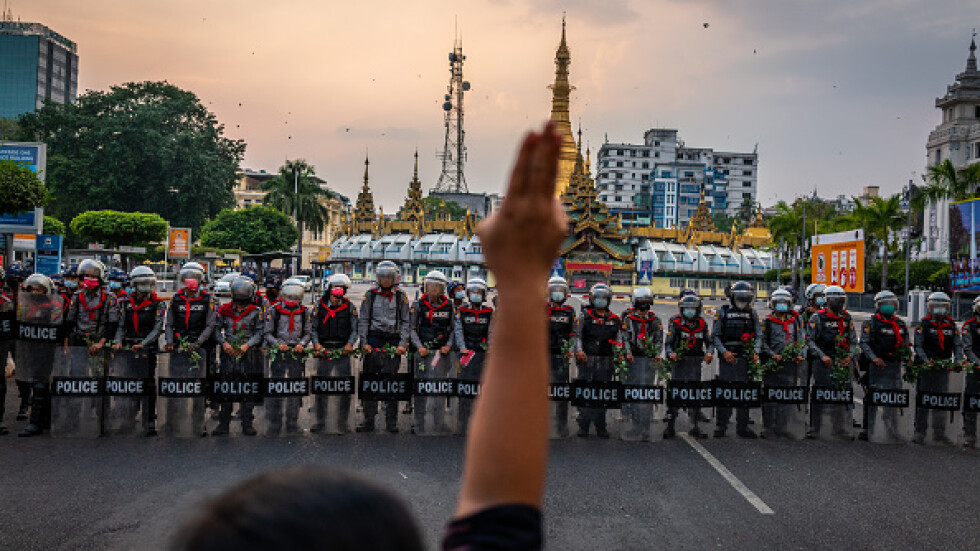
x: 292, y: 291
x: 886, y: 302
x: 836, y: 298
x: 242, y: 289
x: 741, y: 295
x: 38, y: 284
x: 476, y: 290
x: 456, y: 290
x: 144, y: 280
x: 689, y: 306
x: 558, y: 290
x: 386, y: 274
x: 687, y: 293
x: 116, y: 279
x: 641, y: 298
x: 781, y: 301
x: 71, y: 277
x: 938, y: 304
x: 600, y: 296
x: 338, y: 284
x: 92, y: 269
x: 191, y: 272
x: 434, y: 283
x: 815, y: 293
x: 976, y: 305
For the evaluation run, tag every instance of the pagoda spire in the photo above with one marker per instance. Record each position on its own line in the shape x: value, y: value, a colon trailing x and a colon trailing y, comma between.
x: 364, y: 209
x: 413, y: 209
x: 560, y: 101
x: 971, y: 61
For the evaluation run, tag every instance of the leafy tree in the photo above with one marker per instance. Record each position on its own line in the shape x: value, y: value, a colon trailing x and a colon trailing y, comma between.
x: 945, y: 182
x: 53, y: 226
x: 8, y: 128
x: 20, y: 188
x: 147, y: 146
x: 256, y: 229
x: 746, y: 211
x: 119, y: 228
x: 296, y: 191
x: 436, y: 207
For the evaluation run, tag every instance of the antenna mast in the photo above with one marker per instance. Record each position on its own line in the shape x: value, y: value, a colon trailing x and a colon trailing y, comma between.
x: 453, y: 154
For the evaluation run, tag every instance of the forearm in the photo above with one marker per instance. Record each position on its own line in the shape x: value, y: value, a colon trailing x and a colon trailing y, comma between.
x: 510, y: 469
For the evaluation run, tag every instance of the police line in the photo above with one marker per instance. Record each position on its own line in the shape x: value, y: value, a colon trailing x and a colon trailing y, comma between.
x: 402, y: 387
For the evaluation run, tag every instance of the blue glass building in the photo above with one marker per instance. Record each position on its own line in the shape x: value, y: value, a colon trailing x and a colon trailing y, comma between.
x: 36, y: 65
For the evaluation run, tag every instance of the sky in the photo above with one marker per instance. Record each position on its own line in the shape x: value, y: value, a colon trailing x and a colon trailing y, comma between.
x: 835, y: 94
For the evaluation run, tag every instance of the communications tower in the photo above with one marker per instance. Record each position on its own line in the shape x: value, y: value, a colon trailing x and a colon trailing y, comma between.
x: 453, y: 154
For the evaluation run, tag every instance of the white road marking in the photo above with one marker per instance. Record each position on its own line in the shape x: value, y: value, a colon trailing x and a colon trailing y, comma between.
x: 741, y: 488
x: 403, y: 475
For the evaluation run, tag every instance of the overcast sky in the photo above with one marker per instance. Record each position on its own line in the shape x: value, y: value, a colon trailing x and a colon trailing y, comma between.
x: 837, y: 94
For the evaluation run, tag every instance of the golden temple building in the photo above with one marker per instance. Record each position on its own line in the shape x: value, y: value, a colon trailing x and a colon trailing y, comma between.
x: 560, y: 100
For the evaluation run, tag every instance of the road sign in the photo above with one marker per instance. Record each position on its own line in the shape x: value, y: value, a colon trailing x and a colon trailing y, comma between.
x: 48, y: 254
x: 838, y: 259
x: 179, y: 243
x: 33, y: 155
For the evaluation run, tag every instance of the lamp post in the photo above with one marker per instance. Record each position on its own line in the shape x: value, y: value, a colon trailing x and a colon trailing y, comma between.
x: 908, y: 240
x: 296, y: 217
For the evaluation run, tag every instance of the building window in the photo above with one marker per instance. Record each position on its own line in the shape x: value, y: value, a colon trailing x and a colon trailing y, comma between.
x: 938, y: 156
x: 976, y: 112
x: 619, y: 175
x: 746, y: 173
x: 689, y: 174
x: 619, y: 164
x: 746, y: 196
x: 976, y: 149
x: 646, y: 152
x: 676, y: 282
x: 747, y: 162
x: 619, y: 198
x: 746, y: 184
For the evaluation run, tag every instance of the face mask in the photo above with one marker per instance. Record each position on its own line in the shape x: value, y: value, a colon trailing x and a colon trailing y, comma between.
x: 689, y: 313
x: 476, y: 298
x: 642, y: 306
x: 337, y: 291
x: 820, y: 301
x: 129, y: 290
x: 939, y: 311
x: 191, y: 284
x: 115, y: 285
x: 90, y: 283
x: 71, y: 284
x: 600, y: 303
x: 460, y: 295
x: 782, y: 307
x: 557, y: 297
x: 144, y: 288
x: 887, y: 309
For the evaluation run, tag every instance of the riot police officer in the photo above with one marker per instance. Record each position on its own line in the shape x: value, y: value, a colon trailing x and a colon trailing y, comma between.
x: 598, y: 330
x: 12, y: 278
x: 688, y: 344
x: 828, y: 329
x: 288, y: 329
x: 815, y: 301
x: 117, y: 283
x: 936, y: 338
x: 433, y: 329
x: 39, y: 307
x: 643, y: 338
x: 384, y: 322
x: 780, y: 329
x: 240, y: 330
x: 474, y: 319
x: 8, y: 319
x: 192, y: 315
x: 882, y: 338
x: 335, y: 327
x: 141, y: 318
x: 93, y: 315
x: 971, y: 348
x: 735, y: 329
x: 561, y: 338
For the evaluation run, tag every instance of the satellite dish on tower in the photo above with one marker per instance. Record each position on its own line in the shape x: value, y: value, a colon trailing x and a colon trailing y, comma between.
x: 466, y: 86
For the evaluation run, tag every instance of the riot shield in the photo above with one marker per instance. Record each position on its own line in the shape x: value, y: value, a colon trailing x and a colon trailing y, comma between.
x: 971, y: 406
x: 332, y: 387
x: 76, y: 394
x: 128, y: 387
x: 286, y: 390
x: 734, y: 392
x: 784, y: 396
x: 434, y: 401
x: 236, y: 390
x: 938, y: 397
x: 831, y: 405
x: 886, y: 405
x: 687, y: 398
x: 382, y: 383
x: 639, y: 416
x: 182, y: 387
x: 560, y: 393
x: 594, y: 393
x: 468, y: 386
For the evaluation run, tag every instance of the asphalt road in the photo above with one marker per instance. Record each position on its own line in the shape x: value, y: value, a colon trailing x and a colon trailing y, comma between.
x: 119, y: 493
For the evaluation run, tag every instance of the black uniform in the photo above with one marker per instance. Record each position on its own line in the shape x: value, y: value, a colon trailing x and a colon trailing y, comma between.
x: 596, y: 335
x: 432, y: 326
x: 971, y: 339
x: 8, y: 319
x: 691, y: 341
x: 383, y: 322
x: 334, y: 327
x: 561, y: 330
x: 823, y: 330
x: 474, y: 323
x: 776, y: 335
x: 734, y: 327
x: 882, y: 337
x: 142, y: 323
x: 936, y: 338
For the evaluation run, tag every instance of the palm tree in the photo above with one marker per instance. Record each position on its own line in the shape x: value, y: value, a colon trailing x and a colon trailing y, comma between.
x: 879, y: 217
x: 295, y: 191
x: 787, y: 228
x: 945, y: 182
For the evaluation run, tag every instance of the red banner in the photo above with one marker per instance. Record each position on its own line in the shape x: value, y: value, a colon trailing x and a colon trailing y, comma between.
x: 588, y: 266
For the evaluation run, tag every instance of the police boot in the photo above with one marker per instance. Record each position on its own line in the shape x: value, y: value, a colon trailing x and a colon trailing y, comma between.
x: 747, y: 433
x: 220, y: 430
x: 38, y: 418
x: 669, y: 431
x: 316, y: 428
x: 366, y: 426
x: 3, y: 429
x: 563, y: 430
x: 697, y: 433
x: 248, y: 429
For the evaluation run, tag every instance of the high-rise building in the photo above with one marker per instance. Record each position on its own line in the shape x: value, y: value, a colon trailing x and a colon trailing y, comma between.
x: 36, y: 65
x: 957, y: 139
x: 660, y: 182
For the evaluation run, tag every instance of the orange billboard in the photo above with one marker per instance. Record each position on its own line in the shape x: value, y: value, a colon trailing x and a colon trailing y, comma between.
x: 838, y: 259
x: 179, y: 243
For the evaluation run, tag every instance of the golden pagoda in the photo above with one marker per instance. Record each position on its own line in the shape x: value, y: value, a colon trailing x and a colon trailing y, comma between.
x: 414, y: 209
x: 561, y: 92
x: 365, y: 219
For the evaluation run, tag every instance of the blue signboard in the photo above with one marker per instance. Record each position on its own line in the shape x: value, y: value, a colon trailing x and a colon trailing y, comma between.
x: 48, y: 251
x: 558, y: 270
x: 34, y: 156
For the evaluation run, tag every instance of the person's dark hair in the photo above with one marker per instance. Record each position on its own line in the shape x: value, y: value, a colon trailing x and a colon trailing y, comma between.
x: 306, y: 508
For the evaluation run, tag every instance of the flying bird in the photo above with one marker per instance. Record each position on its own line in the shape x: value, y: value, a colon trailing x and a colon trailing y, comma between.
x: 706, y: 25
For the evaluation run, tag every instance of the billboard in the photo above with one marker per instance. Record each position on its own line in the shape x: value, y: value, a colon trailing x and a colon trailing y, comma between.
x: 838, y: 259
x: 964, y: 228
x: 33, y: 155
x: 48, y: 254
x: 179, y: 243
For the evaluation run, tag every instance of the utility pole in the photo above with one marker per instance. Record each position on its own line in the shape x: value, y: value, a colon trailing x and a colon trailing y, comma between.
x: 908, y: 241
x: 296, y: 217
